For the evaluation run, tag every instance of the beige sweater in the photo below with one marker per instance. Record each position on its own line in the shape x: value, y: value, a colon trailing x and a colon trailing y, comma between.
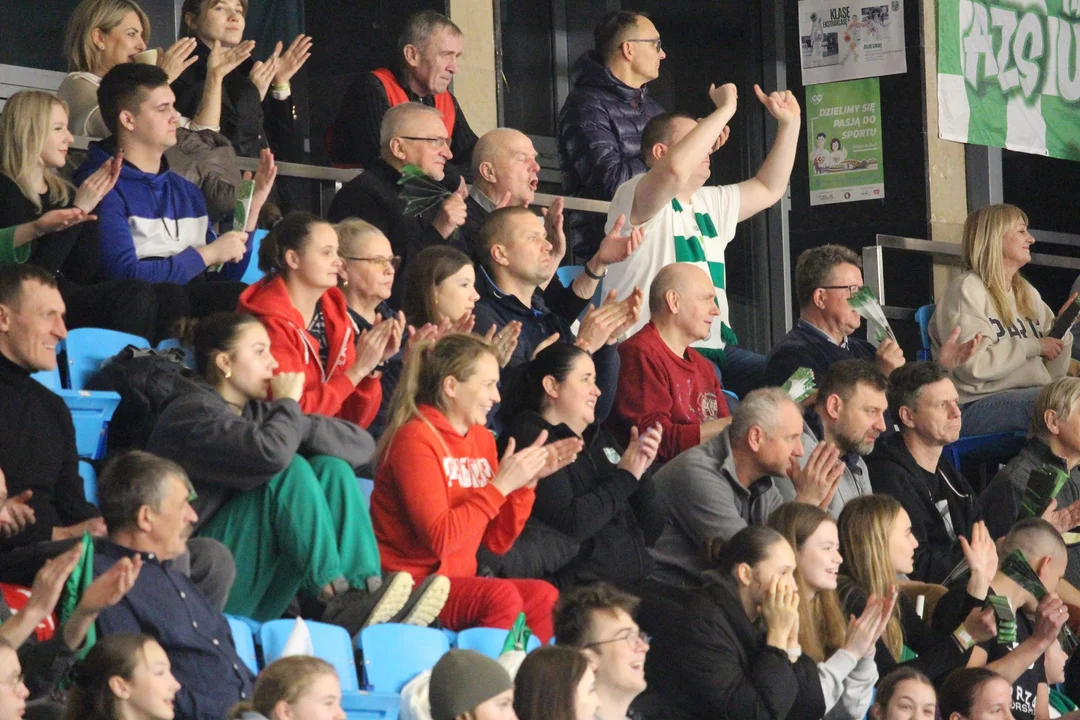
x: 1008, y: 357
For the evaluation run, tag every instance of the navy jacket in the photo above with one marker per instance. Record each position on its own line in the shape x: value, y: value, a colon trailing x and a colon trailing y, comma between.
x: 599, y: 133
x: 168, y: 607
x: 552, y: 312
x: 805, y: 346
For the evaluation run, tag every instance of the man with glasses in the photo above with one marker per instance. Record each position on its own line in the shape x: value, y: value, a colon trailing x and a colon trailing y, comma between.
x: 411, y: 134
x: 428, y: 51
x: 599, y: 619
x: 601, y: 122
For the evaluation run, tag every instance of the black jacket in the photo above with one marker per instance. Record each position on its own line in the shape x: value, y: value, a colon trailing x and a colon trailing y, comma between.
x: 707, y: 660
x: 249, y: 122
x: 607, y: 510
x: 894, y: 472
x: 373, y: 196
x: 599, y: 133
x: 805, y: 346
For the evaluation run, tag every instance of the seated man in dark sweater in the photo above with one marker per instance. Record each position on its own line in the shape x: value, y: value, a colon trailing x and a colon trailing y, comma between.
x: 910, y: 466
x: 825, y: 278
x: 411, y: 134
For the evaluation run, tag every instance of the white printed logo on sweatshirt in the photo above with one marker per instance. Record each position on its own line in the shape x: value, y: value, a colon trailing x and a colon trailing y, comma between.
x: 467, y: 472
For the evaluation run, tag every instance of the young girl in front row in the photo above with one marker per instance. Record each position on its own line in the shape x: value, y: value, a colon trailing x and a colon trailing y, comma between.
x: 441, y: 491
x: 904, y: 694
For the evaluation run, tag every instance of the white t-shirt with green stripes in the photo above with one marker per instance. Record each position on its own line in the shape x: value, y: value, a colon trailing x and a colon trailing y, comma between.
x: 697, y: 232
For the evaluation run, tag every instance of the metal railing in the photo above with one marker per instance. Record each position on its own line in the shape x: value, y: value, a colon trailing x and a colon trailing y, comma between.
x: 941, y: 252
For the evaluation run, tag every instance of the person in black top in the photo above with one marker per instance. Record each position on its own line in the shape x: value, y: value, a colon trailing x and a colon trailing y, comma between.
x: 877, y: 545
x: 711, y: 659
x: 411, y: 134
x: 250, y: 119
x: 910, y: 466
x: 1037, y: 623
x: 605, y: 499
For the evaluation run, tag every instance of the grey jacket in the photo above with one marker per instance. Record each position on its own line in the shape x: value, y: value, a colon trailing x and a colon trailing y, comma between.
x: 703, y: 499
x: 855, y: 482
x: 1000, y: 500
x: 224, y: 453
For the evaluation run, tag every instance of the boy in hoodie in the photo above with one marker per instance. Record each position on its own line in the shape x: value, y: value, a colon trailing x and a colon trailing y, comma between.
x: 601, y: 123
x: 154, y: 225
x: 910, y: 466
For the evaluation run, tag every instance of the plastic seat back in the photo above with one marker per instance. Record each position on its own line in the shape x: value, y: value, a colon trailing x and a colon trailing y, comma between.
x: 395, y: 654
x: 252, y: 273
x: 489, y: 641
x: 367, y: 486
x: 244, y: 642
x: 91, y: 412
x: 89, y: 479
x: 922, y: 317
x: 331, y: 643
x: 89, y: 348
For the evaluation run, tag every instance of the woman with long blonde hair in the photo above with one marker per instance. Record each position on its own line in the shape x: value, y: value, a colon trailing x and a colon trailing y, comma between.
x: 48, y: 214
x: 441, y: 490
x: 993, y: 303
x: 878, y: 546
x: 843, y: 651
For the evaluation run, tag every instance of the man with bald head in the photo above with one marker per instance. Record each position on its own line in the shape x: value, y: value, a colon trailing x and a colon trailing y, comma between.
x: 664, y: 380
x: 410, y: 134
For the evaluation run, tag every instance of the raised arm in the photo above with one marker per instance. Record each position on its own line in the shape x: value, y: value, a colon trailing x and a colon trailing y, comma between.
x: 768, y: 186
x: 674, y: 170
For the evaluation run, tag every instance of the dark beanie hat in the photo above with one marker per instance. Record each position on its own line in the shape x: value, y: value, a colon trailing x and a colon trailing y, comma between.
x: 463, y: 679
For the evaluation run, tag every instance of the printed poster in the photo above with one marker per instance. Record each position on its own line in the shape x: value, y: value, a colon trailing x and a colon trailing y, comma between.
x: 846, y: 40
x: 843, y: 136
x: 1009, y: 74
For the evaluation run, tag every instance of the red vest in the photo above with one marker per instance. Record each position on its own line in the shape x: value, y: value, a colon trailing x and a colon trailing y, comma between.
x: 444, y: 102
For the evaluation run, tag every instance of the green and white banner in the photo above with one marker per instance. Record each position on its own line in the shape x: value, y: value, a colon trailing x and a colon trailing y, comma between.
x: 1009, y: 74
x: 843, y: 139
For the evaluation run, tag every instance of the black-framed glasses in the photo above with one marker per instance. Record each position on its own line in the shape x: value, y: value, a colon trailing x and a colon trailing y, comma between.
x: 379, y: 261
x: 439, y: 142
x: 630, y: 639
x: 655, y: 42
x: 851, y: 289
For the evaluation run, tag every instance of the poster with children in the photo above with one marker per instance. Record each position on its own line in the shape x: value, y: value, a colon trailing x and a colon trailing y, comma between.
x: 845, y: 40
x: 843, y: 135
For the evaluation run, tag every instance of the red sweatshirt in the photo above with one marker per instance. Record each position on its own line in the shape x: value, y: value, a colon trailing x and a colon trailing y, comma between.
x: 656, y: 385
x: 431, y: 509
x: 327, y: 391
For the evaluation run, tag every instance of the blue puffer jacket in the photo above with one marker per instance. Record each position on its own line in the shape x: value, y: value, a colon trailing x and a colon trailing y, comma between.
x: 600, y: 128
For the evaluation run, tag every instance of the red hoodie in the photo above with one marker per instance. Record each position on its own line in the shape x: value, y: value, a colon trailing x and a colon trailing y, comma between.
x: 327, y: 391
x: 431, y: 510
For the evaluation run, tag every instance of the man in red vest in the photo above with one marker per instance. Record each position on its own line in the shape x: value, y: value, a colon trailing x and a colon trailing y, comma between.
x: 428, y: 52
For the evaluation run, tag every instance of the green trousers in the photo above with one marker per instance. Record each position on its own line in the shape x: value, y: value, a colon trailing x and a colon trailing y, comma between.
x: 307, y: 526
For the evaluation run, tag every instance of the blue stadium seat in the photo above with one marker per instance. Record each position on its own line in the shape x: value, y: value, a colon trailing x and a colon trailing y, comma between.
x: 922, y: 317
x: 244, y: 642
x: 91, y: 412
x: 489, y: 641
x: 87, y: 349
x: 252, y: 274
x: 89, y: 479
x: 568, y: 273
x: 170, y: 343
x: 331, y: 643
x: 371, y: 706
x: 395, y: 654
x: 366, y: 487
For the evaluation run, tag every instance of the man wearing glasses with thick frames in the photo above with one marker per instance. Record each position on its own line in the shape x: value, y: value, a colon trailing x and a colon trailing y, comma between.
x: 825, y: 278
x: 601, y: 122
x: 598, y: 619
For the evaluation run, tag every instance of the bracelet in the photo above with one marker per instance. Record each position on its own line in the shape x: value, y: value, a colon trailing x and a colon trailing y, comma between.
x: 963, y: 638
x: 591, y: 274
x: 282, y: 87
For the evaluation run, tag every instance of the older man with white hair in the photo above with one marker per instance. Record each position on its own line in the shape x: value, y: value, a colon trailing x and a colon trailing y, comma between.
x: 411, y: 134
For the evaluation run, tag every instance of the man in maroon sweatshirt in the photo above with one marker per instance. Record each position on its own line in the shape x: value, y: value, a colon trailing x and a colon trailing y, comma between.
x: 662, y: 379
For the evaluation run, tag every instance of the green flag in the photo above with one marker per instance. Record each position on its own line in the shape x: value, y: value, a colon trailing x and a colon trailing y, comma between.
x: 76, y: 585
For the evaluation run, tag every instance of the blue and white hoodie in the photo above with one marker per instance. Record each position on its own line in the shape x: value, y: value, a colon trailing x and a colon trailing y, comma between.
x: 150, y: 224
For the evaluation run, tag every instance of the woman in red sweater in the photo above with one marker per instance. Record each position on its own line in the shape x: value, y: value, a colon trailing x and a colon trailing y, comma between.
x: 308, y: 321
x: 441, y: 491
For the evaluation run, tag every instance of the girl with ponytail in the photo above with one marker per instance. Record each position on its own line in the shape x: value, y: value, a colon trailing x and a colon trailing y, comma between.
x: 441, y: 490
x: 298, y: 687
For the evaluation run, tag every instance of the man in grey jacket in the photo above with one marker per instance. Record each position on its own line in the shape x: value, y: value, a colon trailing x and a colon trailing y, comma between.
x: 717, y: 488
x: 848, y: 415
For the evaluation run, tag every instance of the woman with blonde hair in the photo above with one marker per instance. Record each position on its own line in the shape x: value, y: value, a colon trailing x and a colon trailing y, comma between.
x: 441, y: 490
x: 843, y: 651
x: 878, y: 546
x: 991, y: 299
x: 298, y: 687
x: 48, y: 212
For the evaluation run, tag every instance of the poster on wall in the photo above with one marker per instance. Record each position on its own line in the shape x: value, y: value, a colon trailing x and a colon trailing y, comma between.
x: 845, y: 40
x: 843, y: 136
x: 1009, y: 74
